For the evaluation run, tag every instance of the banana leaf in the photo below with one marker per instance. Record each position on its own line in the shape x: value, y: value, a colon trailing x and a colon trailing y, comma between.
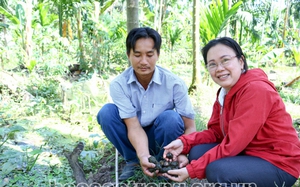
x: 9, y: 16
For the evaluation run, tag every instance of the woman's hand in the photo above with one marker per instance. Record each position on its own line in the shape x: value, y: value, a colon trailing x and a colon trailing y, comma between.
x: 175, y: 147
x: 177, y: 175
x: 182, y: 160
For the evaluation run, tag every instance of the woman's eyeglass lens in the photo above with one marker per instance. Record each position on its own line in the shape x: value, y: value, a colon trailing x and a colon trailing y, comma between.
x: 224, y: 62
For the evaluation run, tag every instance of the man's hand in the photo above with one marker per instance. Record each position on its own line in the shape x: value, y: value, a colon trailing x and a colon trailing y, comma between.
x: 177, y: 175
x: 145, y: 165
x: 140, y: 143
x: 175, y: 147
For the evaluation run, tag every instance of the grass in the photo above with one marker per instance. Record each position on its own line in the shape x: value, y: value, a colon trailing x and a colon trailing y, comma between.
x: 37, y: 134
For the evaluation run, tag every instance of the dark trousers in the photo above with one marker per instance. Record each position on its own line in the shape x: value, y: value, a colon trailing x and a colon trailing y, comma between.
x: 242, y: 170
x: 166, y: 127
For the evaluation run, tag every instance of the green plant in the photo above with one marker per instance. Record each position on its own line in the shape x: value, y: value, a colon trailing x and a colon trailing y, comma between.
x: 272, y: 56
x: 215, y: 18
x: 9, y: 133
x: 296, y: 54
x: 31, y: 157
x: 290, y: 95
x: 174, y: 35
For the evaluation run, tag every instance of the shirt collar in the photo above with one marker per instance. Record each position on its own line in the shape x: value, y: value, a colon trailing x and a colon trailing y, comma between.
x: 132, y: 77
x: 221, y: 96
x: 155, y: 78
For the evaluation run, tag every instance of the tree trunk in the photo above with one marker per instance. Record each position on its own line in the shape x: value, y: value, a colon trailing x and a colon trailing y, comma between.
x: 75, y: 165
x: 132, y: 15
x: 95, y: 40
x: 158, y: 11
x: 292, y: 82
x: 102, y: 176
x: 286, y: 19
x: 60, y: 18
x: 79, y: 35
x: 196, y: 47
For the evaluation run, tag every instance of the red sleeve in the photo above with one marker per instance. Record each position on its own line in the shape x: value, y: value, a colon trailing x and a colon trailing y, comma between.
x: 212, y: 135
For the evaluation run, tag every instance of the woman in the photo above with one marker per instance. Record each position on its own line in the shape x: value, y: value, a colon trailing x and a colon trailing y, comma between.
x: 250, y: 137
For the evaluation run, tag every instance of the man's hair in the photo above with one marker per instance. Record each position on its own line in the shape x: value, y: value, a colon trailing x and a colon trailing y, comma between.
x: 229, y: 42
x: 143, y: 32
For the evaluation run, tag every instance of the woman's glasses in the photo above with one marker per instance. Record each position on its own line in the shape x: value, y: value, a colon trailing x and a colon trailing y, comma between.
x: 225, y: 61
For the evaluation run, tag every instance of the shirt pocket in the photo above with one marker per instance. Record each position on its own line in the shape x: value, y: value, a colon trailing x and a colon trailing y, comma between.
x: 162, y: 106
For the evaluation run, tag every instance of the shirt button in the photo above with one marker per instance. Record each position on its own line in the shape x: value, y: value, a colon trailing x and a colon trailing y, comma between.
x: 144, y: 112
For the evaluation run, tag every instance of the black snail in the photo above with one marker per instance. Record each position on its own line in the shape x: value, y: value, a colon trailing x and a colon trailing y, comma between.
x: 163, y: 166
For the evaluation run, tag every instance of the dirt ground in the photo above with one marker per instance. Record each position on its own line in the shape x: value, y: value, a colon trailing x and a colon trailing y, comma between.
x: 105, y: 175
x: 107, y: 170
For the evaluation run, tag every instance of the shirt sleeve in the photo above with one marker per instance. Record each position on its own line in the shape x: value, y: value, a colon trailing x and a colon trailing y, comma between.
x: 182, y: 101
x: 122, y: 100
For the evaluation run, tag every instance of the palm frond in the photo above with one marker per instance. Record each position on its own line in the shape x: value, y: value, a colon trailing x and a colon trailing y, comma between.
x: 215, y: 17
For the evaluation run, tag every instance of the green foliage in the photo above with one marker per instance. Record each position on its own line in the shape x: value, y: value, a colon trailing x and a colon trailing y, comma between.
x: 46, y: 88
x: 296, y: 54
x: 174, y: 35
x: 291, y: 95
x: 272, y: 56
x: 20, y: 12
x: 9, y: 16
x: 106, y: 6
x: 45, y: 18
x: 215, y: 17
x: 63, y: 108
x: 31, y: 65
x: 31, y: 157
x: 9, y: 133
x: 3, y: 3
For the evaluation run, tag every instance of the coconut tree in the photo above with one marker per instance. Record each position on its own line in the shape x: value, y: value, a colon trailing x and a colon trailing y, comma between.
x: 215, y: 18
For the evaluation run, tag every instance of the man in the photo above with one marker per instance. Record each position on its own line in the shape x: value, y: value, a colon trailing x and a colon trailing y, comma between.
x: 151, y: 105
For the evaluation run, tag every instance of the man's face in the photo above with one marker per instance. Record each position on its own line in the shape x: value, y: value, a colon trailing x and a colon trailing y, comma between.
x: 143, y: 59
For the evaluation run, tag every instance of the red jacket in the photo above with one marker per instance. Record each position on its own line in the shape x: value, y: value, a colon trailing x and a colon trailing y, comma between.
x: 254, y: 121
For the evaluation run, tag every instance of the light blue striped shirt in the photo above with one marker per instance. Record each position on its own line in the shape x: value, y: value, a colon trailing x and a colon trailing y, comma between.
x: 166, y: 91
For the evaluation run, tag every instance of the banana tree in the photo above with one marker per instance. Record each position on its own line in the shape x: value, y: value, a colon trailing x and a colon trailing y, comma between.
x: 22, y: 23
x: 8, y: 15
x: 19, y: 23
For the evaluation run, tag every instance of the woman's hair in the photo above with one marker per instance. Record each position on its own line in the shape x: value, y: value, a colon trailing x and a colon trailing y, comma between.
x: 228, y: 42
x: 144, y: 32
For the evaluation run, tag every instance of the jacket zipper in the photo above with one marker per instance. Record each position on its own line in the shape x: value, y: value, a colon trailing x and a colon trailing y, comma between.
x: 222, y: 121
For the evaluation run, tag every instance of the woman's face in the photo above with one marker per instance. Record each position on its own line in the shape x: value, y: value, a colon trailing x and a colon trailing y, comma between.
x: 223, y: 66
